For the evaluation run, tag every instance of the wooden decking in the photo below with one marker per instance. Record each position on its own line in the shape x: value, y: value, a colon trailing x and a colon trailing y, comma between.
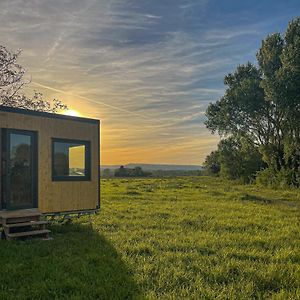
x: 20, y: 213
x: 23, y: 223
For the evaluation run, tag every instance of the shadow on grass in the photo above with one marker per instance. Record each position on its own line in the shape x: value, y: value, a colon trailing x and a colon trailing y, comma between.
x: 254, y: 198
x: 263, y: 200
x: 79, y: 263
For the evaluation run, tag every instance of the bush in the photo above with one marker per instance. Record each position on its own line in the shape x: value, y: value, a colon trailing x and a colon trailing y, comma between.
x: 235, y: 159
x: 283, y: 179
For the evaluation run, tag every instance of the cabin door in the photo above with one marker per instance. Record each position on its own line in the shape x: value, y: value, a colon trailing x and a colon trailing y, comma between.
x: 19, y: 175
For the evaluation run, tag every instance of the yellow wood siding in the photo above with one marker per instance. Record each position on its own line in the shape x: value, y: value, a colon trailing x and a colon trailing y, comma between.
x: 59, y: 196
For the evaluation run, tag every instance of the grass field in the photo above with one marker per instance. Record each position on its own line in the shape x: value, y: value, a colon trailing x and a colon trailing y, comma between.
x: 179, y: 238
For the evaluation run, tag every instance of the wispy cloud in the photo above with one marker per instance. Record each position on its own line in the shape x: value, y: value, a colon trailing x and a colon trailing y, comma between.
x: 122, y: 110
x: 148, y: 69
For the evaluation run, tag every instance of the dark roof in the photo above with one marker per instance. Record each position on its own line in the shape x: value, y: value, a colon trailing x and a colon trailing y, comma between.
x: 46, y: 114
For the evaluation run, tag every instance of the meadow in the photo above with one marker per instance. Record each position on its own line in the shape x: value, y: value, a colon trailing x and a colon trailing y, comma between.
x: 171, y: 238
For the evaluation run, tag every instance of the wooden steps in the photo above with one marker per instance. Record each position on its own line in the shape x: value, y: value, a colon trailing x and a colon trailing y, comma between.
x: 23, y: 223
x: 26, y: 224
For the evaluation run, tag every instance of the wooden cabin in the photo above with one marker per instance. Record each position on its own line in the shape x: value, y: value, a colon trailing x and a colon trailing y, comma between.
x: 49, y: 164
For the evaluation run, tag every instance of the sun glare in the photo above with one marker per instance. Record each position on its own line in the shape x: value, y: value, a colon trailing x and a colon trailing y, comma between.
x: 72, y: 112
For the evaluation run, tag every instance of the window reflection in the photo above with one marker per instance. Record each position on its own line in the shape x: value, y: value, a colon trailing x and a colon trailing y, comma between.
x: 70, y: 159
x: 20, y: 169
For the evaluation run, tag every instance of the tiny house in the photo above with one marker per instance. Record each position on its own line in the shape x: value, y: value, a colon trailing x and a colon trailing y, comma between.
x: 49, y: 163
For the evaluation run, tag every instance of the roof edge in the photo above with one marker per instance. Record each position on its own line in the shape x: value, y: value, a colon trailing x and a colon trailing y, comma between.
x: 46, y: 114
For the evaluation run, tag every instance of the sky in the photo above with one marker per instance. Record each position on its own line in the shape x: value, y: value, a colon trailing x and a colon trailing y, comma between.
x: 146, y: 69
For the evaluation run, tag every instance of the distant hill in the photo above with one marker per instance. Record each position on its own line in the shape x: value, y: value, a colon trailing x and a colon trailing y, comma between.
x: 156, y: 167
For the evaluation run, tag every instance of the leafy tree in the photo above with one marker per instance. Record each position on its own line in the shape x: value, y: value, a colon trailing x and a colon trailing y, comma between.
x: 235, y: 158
x: 11, y: 84
x: 212, y: 163
x: 127, y: 172
x: 106, y: 173
x: 122, y: 172
x: 239, y: 159
x: 138, y: 171
x: 262, y: 103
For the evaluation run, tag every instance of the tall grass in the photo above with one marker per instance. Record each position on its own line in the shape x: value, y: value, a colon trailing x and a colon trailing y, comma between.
x: 176, y: 238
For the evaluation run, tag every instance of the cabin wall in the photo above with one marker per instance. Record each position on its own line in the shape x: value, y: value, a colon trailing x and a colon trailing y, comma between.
x: 60, y: 196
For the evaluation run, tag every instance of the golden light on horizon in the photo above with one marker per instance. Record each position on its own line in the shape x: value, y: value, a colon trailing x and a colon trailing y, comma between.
x: 72, y: 112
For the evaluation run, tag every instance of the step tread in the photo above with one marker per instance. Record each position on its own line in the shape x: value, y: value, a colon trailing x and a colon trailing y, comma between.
x: 22, y: 213
x: 12, y: 225
x: 28, y: 233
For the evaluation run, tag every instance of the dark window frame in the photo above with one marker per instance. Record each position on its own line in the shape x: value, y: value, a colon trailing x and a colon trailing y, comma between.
x: 5, y: 155
x: 87, y: 160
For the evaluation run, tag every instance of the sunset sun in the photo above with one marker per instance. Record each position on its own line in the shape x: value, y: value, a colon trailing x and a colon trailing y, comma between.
x: 72, y: 112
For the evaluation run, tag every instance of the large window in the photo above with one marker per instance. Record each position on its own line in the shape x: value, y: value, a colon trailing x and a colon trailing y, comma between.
x: 71, y: 160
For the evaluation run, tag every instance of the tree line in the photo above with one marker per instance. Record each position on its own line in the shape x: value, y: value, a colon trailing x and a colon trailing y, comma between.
x: 139, y: 172
x: 258, y: 117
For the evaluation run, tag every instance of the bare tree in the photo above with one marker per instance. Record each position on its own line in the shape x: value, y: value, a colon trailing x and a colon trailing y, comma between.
x: 12, y: 81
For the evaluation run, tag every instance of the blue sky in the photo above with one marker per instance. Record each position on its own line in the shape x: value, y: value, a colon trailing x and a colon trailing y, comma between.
x: 147, y: 69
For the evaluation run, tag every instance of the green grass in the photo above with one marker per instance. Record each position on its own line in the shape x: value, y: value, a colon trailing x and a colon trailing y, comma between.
x: 178, y: 238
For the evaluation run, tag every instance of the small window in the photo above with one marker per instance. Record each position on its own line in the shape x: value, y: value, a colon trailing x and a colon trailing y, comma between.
x: 71, y: 160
